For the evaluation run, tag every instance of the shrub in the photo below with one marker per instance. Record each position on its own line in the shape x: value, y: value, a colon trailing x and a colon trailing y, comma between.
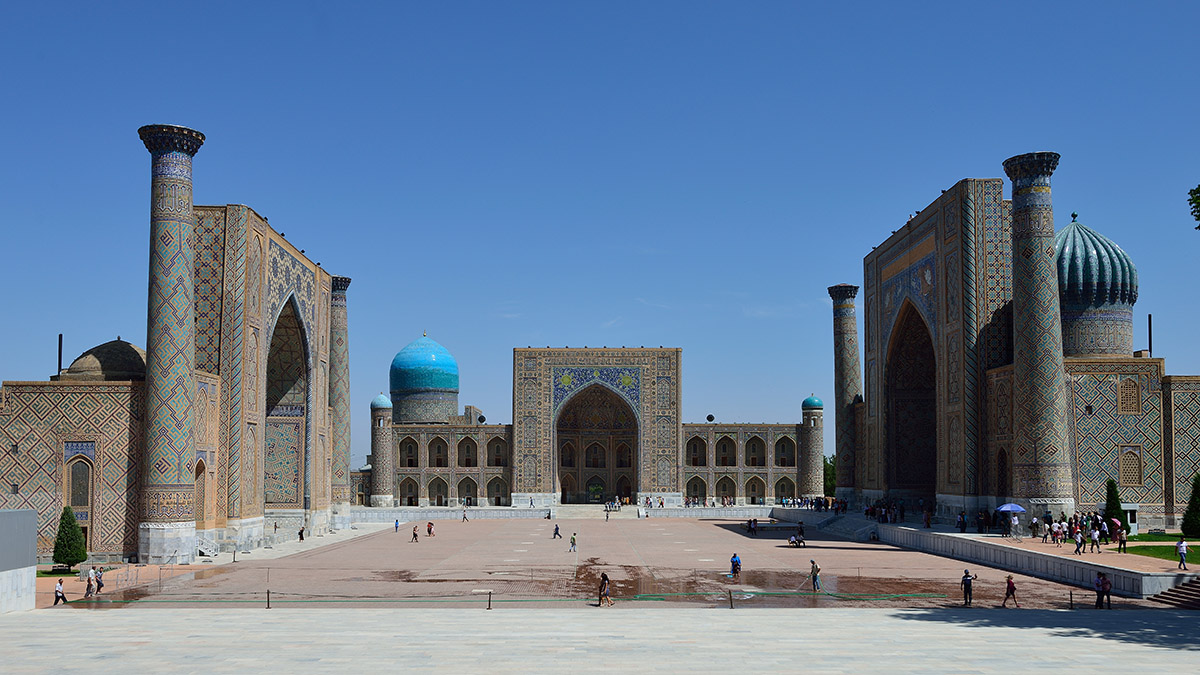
x: 1112, y: 505
x: 1191, y: 517
x: 69, y: 547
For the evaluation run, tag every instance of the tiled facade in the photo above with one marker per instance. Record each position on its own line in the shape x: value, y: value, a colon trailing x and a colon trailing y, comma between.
x: 1043, y: 428
x: 234, y: 417
x: 591, y: 425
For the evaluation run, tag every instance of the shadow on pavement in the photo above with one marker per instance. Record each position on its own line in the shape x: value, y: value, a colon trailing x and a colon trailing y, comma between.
x: 1171, y: 629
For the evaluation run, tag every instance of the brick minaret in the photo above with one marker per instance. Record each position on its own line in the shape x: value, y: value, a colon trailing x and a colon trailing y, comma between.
x: 812, y: 449
x: 1041, y: 462
x: 383, y: 472
x: 847, y: 383
x: 168, y: 529
x: 339, y: 401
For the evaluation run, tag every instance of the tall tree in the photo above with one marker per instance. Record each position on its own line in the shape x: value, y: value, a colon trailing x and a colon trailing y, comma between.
x: 1112, y: 505
x: 830, y: 477
x: 69, y: 547
x: 1191, y: 517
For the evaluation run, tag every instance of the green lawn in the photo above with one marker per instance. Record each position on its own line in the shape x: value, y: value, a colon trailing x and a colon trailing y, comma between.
x: 1163, y: 552
x: 1154, y: 537
x: 48, y: 573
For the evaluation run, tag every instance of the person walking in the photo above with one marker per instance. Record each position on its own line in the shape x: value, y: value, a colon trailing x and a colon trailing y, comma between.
x: 1098, y: 587
x: 59, y: 596
x: 1010, y: 591
x: 606, y: 515
x: 557, y: 534
x: 397, y: 526
x: 814, y: 575
x: 429, y: 528
x: 414, y: 539
x: 735, y: 567
x: 1122, y: 540
x: 1095, y: 539
x: 465, y: 516
x: 605, y: 585
x: 91, y: 583
x: 573, y: 543
x: 1181, y: 550
x: 967, y: 578
x: 1078, y: 543
x: 1106, y: 589
x: 99, y: 580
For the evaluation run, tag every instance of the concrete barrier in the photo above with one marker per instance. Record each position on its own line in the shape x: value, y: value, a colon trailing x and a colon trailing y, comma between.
x: 363, y: 514
x: 18, y: 560
x: 1126, y: 583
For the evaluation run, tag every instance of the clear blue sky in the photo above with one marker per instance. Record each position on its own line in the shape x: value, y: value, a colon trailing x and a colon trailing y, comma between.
x: 511, y: 174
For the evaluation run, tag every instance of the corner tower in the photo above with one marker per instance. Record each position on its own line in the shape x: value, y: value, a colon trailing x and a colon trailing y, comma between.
x: 812, y: 448
x: 168, y: 527
x: 383, y: 473
x: 1041, y: 465
x: 847, y: 383
x: 339, y: 400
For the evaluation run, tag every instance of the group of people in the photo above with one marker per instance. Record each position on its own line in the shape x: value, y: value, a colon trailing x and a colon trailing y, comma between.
x: 967, y: 584
x: 886, y: 512
x: 428, y: 530
x: 95, y: 584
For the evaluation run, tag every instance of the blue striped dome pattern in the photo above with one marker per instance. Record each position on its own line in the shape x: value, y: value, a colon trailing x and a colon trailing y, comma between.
x: 1092, y: 270
x: 424, y: 365
x: 381, y: 402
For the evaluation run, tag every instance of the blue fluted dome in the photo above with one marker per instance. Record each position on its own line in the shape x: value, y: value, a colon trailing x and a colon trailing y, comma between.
x: 1092, y: 270
x: 812, y: 403
x: 381, y: 402
x: 424, y: 365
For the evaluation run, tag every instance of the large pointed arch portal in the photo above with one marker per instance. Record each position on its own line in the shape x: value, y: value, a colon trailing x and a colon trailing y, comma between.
x: 600, y: 422
x: 911, y: 394
x: 286, y: 462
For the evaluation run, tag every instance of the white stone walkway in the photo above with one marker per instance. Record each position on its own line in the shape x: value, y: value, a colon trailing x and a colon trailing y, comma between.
x: 622, y: 639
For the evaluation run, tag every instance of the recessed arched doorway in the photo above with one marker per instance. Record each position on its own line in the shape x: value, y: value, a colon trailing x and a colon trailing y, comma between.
x: 597, y: 436
x: 910, y: 388
x: 438, y: 492
x: 467, y: 491
x: 697, y: 489
x: 726, y: 490
x: 287, y: 461
x: 498, y: 494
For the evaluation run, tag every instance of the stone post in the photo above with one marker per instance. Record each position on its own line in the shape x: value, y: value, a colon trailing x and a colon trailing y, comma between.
x: 847, y: 384
x: 1041, y: 464
x: 167, y: 532
x: 339, y: 400
x: 812, y: 453
x: 383, y: 472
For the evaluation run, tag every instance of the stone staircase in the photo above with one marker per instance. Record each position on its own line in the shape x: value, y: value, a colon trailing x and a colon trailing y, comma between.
x: 592, y: 512
x: 852, y: 527
x: 1184, y: 596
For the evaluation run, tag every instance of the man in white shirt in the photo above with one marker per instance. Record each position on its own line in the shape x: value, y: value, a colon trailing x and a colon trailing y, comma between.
x: 1181, y: 549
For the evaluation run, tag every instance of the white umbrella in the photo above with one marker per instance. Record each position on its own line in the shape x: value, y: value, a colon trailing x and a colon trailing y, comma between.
x: 1011, y: 508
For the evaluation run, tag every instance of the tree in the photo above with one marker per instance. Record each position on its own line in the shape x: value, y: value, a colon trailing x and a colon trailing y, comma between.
x: 1191, y: 517
x: 830, y: 477
x: 1112, y: 505
x: 69, y: 547
x: 1194, y: 200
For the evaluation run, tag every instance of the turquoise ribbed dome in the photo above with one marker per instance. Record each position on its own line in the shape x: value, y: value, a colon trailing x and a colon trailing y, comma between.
x: 424, y: 365
x: 381, y: 402
x: 1092, y: 270
x: 812, y: 403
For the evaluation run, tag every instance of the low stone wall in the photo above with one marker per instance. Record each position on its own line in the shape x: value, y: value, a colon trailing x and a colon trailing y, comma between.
x: 730, y: 512
x: 18, y: 560
x: 363, y: 514
x: 1126, y: 583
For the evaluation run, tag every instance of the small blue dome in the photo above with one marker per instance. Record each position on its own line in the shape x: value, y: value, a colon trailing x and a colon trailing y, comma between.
x: 424, y: 365
x: 381, y: 402
x: 1092, y: 270
x: 812, y: 403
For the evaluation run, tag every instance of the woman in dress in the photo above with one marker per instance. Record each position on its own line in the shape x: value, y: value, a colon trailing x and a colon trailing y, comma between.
x: 1010, y: 591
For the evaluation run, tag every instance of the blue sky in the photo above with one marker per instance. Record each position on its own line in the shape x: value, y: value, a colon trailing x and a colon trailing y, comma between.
x: 510, y: 174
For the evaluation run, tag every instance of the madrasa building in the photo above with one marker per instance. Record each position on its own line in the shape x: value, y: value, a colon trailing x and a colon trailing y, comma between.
x: 999, y: 365
x: 233, y: 420
x: 589, y: 426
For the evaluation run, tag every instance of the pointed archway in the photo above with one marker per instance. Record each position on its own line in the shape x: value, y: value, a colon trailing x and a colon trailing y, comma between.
x: 598, y: 421
x: 287, y: 461
x: 910, y: 389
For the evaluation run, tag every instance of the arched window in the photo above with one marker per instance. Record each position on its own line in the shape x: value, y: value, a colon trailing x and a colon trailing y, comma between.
x: 594, y: 457
x: 1131, y: 465
x: 726, y: 452
x: 785, y: 452
x: 1129, y: 397
x: 624, y: 456
x: 466, y: 453
x: 497, y: 453
x: 756, y: 452
x: 408, y: 453
x: 81, y: 484
x: 567, y: 456
x: 697, y: 452
x: 437, y: 453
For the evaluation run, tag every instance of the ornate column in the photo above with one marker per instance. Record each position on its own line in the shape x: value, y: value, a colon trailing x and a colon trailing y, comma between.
x: 339, y: 379
x: 847, y: 383
x: 812, y: 449
x: 1041, y: 463
x: 167, y: 532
